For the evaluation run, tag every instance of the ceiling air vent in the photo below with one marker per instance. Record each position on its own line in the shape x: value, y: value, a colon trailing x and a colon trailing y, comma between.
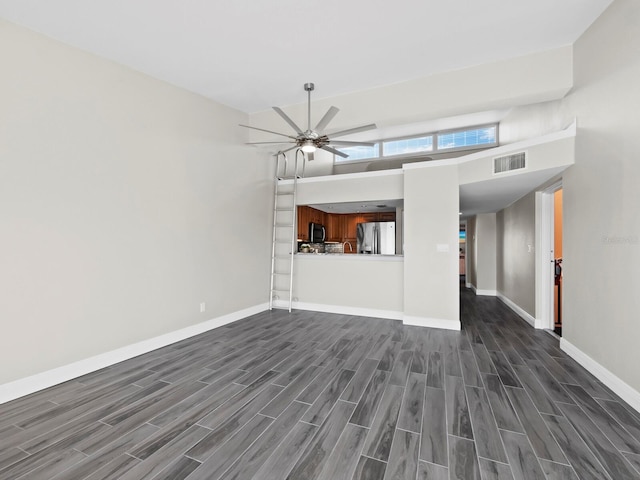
x: 507, y: 163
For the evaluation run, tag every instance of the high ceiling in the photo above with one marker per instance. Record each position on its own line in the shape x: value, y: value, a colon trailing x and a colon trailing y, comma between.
x: 252, y: 55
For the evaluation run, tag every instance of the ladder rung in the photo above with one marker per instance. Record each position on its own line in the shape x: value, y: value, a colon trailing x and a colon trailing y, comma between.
x: 284, y: 217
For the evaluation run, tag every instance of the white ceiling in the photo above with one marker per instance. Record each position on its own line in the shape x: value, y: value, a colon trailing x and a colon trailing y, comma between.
x: 253, y: 55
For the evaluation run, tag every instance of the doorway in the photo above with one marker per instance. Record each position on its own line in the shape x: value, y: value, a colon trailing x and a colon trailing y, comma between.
x: 549, y: 277
x: 462, y: 246
x: 557, y: 262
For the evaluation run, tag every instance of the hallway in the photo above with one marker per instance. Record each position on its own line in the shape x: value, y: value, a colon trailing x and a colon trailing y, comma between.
x: 310, y: 395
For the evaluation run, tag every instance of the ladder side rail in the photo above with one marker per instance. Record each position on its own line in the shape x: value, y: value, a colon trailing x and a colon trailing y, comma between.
x: 294, y: 229
x: 275, y: 220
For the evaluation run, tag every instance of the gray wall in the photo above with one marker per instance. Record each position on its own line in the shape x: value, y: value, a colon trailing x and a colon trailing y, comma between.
x: 485, y: 241
x: 431, y: 279
x: 515, y: 262
x: 601, y: 196
x: 472, y: 275
x: 601, y: 244
x: 125, y: 203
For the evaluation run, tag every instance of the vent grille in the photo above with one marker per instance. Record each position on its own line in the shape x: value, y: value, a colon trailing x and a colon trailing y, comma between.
x: 515, y: 161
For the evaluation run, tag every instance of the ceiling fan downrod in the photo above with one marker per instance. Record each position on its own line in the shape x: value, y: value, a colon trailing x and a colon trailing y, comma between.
x: 309, y: 87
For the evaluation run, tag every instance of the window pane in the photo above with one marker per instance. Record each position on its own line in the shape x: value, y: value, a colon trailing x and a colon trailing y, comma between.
x: 408, y: 145
x: 467, y: 138
x: 358, y: 152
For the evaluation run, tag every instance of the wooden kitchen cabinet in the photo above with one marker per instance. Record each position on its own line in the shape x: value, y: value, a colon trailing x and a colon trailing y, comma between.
x: 308, y: 215
x: 368, y: 217
x: 341, y: 227
x: 350, y: 222
x: 316, y: 216
x: 386, y: 217
x: 335, y: 227
x: 303, y: 223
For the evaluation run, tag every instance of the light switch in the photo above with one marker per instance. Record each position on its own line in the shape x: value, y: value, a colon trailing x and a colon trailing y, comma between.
x: 442, y: 247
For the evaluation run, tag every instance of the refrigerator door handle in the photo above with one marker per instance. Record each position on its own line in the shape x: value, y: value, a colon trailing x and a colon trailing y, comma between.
x: 376, y: 244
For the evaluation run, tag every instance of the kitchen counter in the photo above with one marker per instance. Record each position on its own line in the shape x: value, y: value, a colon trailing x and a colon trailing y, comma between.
x: 355, y: 284
x: 352, y: 256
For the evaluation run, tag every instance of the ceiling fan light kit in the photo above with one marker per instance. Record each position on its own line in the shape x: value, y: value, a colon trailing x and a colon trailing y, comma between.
x: 311, y: 139
x: 308, y: 147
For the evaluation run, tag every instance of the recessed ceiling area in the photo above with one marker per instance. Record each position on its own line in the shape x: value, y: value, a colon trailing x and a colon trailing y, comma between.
x: 481, y: 197
x: 498, y: 193
x: 254, y: 55
x: 360, y: 207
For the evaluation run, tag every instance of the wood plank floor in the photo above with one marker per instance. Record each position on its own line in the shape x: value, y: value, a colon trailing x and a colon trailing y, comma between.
x: 320, y: 396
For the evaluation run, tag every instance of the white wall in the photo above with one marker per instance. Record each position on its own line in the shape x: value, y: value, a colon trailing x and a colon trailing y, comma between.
x: 350, y: 284
x: 125, y: 203
x: 387, y: 185
x: 538, y: 77
x: 601, y: 230
x: 431, y: 278
x: 485, y: 254
x: 601, y: 196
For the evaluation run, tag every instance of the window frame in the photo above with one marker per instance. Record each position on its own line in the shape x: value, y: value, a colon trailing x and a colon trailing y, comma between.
x: 471, y: 147
x: 337, y: 160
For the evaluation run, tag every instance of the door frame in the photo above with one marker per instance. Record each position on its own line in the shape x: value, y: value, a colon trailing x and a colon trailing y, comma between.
x: 545, y: 256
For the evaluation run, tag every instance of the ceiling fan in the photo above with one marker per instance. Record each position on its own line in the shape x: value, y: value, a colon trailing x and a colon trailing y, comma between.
x: 309, y: 140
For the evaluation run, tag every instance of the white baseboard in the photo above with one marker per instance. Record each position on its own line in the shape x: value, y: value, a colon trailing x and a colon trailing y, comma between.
x: 25, y: 386
x: 619, y: 386
x: 340, y: 309
x: 527, y: 317
x: 483, y: 293
x: 431, y: 322
x: 487, y: 293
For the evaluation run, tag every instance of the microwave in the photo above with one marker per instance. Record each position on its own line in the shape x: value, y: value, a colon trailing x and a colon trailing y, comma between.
x: 317, y: 233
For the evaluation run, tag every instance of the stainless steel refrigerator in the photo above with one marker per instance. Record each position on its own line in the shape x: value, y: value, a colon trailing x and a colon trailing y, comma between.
x: 378, y: 238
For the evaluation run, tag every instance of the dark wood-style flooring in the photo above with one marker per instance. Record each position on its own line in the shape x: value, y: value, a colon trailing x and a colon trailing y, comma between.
x: 320, y: 396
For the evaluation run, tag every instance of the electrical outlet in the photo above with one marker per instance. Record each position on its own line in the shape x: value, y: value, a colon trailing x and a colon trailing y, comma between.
x: 203, y: 307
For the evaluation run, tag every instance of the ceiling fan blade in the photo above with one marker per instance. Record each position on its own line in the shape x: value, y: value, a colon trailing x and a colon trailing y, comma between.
x: 334, y: 151
x: 268, y: 131
x: 290, y: 148
x: 287, y: 119
x: 355, y: 144
x: 284, y: 142
x: 327, y: 118
x: 364, y: 128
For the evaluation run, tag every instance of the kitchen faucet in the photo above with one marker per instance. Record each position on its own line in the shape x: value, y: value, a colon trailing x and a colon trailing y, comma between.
x: 350, y: 247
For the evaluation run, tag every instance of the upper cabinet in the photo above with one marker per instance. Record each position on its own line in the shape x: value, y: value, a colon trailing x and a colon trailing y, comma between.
x: 341, y: 227
x: 307, y: 215
x: 335, y: 227
x: 387, y: 217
